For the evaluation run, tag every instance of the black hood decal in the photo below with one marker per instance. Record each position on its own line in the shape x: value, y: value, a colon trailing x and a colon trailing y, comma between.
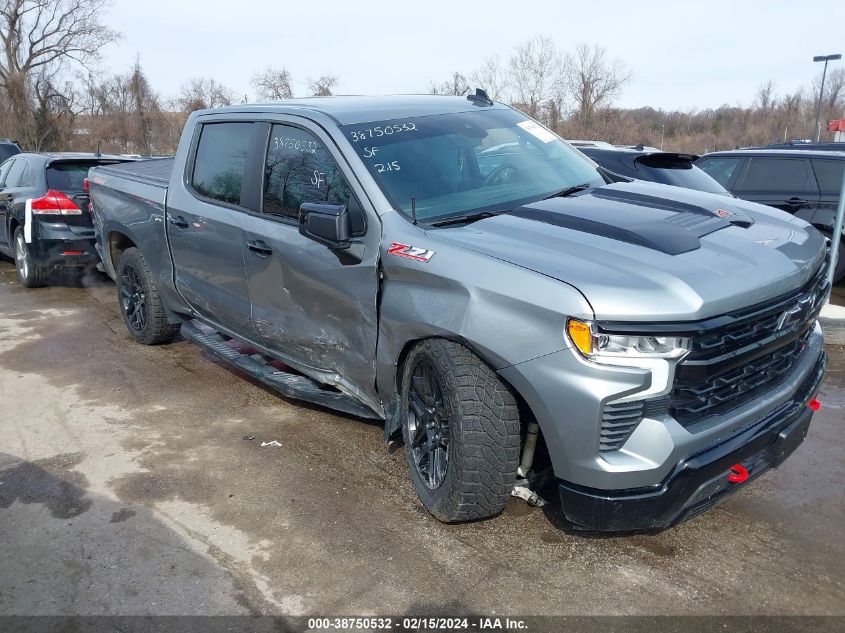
x: 661, y: 224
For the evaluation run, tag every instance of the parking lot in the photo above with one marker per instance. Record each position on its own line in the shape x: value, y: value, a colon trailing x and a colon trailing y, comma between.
x: 133, y: 480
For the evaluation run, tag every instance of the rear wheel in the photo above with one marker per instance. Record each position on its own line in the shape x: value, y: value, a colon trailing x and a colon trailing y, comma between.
x: 31, y: 274
x: 461, y: 432
x: 140, y: 303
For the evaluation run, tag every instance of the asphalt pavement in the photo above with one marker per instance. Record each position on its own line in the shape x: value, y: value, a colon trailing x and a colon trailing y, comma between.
x: 133, y: 480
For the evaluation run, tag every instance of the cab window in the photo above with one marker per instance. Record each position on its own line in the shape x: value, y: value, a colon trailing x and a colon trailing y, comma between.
x: 299, y: 168
x: 221, y: 160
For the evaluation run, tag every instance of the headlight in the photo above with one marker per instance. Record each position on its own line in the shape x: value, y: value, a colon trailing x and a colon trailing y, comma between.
x: 595, y: 345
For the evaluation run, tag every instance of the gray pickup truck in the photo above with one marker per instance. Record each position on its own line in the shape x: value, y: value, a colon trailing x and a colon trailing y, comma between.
x: 453, y: 268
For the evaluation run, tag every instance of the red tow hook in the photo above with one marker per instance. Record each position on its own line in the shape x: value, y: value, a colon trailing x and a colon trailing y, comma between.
x: 738, y: 474
x: 814, y: 404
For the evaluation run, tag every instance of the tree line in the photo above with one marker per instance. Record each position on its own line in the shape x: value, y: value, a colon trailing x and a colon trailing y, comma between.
x: 53, y: 95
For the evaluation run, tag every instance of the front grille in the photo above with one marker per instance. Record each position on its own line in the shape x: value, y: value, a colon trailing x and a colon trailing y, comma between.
x: 752, y: 352
x: 754, y: 325
x: 732, y: 388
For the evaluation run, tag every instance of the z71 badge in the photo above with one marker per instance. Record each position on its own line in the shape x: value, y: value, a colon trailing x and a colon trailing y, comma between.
x: 410, y: 252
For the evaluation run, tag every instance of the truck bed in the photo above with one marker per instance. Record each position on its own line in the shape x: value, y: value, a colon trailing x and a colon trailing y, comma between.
x: 146, y: 179
x: 152, y: 170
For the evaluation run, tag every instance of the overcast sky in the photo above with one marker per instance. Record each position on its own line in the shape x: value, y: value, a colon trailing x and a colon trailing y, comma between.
x: 682, y: 54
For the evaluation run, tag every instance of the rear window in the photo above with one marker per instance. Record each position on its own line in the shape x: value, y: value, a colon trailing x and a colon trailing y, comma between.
x: 678, y: 172
x: 70, y: 176
x: 221, y: 160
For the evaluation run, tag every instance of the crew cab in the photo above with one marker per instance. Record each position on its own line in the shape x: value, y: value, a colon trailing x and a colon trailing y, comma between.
x: 452, y: 268
x: 44, y: 219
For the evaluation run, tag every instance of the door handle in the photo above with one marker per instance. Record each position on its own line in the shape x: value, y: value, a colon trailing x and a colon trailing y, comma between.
x: 796, y: 201
x: 179, y: 222
x: 259, y: 247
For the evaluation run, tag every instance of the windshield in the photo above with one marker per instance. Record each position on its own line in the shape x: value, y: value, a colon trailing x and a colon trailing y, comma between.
x: 471, y: 162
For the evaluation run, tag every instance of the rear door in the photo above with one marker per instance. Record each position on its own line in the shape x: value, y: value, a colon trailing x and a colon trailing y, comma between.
x: 786, y: 183
x: 310, y: 304
x: 829, y: 178
x: 18, y: 186
x: 204, y: 226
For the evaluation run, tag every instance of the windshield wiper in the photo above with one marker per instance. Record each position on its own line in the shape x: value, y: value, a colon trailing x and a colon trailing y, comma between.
x: 465, y: 219
x: 563, y: 193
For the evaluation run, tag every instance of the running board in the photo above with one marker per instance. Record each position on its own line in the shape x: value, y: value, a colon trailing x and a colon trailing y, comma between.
x: 257, y: 366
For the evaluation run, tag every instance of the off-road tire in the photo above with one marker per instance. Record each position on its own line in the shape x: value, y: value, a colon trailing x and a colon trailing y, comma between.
x: 155, y: 329
x: 31, y: 275
x: 483, y: 430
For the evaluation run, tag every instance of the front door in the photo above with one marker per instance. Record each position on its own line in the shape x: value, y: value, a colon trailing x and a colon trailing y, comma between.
x: 309, y: 303
x: 784, y: 183
x: 204, y: 228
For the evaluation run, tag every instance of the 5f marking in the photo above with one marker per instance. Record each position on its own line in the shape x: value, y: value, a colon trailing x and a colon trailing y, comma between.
x: 318, y: 179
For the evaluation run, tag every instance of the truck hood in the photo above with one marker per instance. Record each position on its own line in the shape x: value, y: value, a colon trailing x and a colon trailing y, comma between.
x: 644, y: 252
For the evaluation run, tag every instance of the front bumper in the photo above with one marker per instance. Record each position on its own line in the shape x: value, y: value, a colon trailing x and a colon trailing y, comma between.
x: 701, y: 481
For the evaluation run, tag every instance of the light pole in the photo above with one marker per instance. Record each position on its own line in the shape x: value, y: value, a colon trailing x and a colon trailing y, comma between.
x: 825, y: 59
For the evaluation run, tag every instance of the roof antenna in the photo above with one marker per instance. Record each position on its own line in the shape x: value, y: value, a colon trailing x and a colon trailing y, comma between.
x: 98, y: 150
x: 480, y: 97
x: 414, y: 210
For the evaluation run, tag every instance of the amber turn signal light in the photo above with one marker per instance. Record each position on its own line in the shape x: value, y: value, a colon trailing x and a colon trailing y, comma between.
x: 581, y: 336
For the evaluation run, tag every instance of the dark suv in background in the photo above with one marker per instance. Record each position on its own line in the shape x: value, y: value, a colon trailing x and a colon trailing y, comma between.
x: 803, y: 182
x: 44, y: 218
x: 8, y: 148
x: 649, y: 163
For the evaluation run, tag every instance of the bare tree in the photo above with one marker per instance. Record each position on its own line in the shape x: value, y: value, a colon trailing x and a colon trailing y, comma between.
x: 42, y: 38
x: 456, y: 85
x: 765, y: 99
x: 203, y: 92
x: 593, y: 81
x: 535, y: 68
x: 322, y: 86
x: 146, y: 107
x: 490, y: 76
x: 273, y: 84
x: 791, y: 107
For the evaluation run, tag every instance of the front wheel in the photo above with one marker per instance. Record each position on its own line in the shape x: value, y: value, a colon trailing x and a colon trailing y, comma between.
x: 31, y: 274
x: 140, y: 303
x: 461, y: 432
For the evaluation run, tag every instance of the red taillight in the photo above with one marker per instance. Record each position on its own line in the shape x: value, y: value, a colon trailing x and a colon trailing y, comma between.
x: 54, y: 203
x: 814, y: 404
x: 738, y: 474
x: 86, y: 185
x: 67, y: 253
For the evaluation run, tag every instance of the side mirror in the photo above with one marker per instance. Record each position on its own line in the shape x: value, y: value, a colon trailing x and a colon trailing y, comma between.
x: 6, y: 196
x: 325, y: 223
